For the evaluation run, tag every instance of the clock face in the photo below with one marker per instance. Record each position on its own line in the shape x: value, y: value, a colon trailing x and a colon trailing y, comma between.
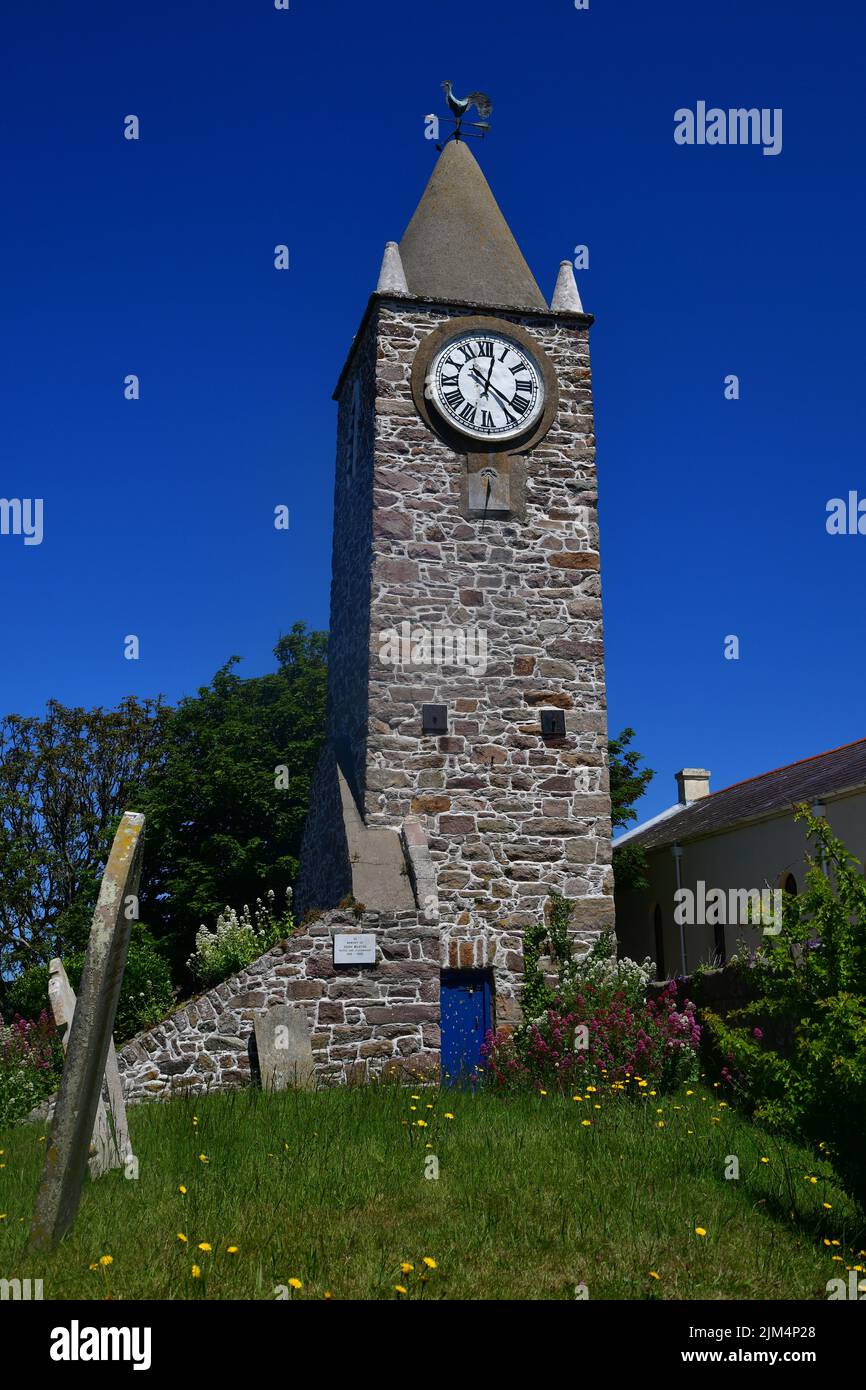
x: 486, y: 386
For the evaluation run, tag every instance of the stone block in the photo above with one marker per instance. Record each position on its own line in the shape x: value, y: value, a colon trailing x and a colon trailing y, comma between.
x: 284, y: 1048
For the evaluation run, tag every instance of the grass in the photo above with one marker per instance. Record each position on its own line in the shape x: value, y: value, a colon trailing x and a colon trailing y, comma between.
x: 329, y: 1189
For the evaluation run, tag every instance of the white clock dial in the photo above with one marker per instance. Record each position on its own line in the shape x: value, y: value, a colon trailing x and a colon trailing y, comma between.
x: 486, y: 385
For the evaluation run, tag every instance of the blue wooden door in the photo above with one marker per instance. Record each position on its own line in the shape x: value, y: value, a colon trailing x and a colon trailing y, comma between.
x: 464, y: 1020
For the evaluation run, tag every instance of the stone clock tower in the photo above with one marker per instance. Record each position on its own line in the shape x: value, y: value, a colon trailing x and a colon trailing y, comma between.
x: 465, y: 774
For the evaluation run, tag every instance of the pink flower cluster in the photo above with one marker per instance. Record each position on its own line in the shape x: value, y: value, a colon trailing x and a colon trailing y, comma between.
x: 34, y: 1043
x: 601, y: 1037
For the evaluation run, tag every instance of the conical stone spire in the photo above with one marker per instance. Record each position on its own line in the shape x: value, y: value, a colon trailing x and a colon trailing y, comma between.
x: 566, y: 297
x: 392, y: 277
x: 458, y: 245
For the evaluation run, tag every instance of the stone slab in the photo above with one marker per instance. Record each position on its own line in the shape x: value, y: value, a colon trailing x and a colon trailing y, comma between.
x: 284, y: 1048
x: 110, y: 1143
x: 78, y: 1099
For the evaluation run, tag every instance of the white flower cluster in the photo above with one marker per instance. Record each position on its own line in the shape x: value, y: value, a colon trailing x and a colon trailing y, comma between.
x: 602, y: 968
x: 239, y: 938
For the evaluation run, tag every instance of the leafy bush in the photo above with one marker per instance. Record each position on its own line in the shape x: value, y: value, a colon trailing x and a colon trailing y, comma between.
x: 146, y: 995
x: 31, y: 1060
x: 607, y: 975
x: 809, y: 980
x: 239, y: 939
x: 596, y: 1026
x: 600, y: 1037
x: 599, y: 967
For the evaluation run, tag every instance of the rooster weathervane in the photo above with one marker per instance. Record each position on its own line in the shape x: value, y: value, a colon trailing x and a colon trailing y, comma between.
x: 459, y: 106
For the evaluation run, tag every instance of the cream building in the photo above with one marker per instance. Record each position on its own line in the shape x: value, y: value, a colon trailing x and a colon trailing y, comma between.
x: 742, y: 838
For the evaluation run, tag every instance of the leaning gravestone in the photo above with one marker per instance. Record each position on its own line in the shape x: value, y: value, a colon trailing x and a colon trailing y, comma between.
x: 110, y: 1145
x: 284, y: 1048
x: 89, y: 1041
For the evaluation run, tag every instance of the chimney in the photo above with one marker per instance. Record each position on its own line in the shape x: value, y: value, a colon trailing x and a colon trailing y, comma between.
x: 692, y: 784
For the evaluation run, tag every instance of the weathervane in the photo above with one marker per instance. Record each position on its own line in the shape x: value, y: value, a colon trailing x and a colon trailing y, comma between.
x: 459, y: 107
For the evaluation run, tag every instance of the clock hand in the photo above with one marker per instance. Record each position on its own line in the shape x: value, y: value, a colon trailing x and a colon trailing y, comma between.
x: 495, y: 389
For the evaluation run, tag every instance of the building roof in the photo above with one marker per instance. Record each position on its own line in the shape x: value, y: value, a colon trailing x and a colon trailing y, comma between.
x: 809, y: 780
x: 459, y: 246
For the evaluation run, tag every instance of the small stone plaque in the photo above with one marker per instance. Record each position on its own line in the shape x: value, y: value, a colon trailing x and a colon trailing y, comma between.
x: 489, y: 493
x: 355, y: 948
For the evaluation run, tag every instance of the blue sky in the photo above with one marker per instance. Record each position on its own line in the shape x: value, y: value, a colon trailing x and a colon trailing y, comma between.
x: 306, y: 127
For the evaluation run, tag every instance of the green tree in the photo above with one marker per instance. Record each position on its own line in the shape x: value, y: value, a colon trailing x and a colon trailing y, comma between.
x: 227, y: 805
x: 796, y: 1052
x: 628, y: 782
x: 65, y: 779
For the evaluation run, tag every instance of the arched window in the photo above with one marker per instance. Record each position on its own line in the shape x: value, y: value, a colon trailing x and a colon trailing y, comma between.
x: 658, y: 933
x: 790, y: 885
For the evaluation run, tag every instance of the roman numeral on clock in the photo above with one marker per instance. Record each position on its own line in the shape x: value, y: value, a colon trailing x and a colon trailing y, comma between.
x: 454, y: 398
x: 468, y: 412
x: 485, y: 349
x: 520, y: 403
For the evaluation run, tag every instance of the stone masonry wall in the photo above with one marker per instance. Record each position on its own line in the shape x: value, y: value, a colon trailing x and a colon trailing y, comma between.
x: 509, y: 816
x: 365, y: 1021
